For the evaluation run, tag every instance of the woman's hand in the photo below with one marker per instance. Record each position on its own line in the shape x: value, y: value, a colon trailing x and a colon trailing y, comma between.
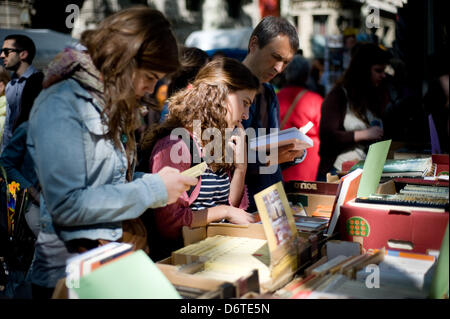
x: 239, y: 146
x: 370, y: 134
x: 176, y: 184
x: 238, y: 216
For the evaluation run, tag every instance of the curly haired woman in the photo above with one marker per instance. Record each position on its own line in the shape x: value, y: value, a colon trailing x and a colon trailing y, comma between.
x: 219, y: 99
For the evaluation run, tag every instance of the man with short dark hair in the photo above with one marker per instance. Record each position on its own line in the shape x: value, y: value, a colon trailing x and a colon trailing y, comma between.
x: 17, y: 53
x: 272, y: 46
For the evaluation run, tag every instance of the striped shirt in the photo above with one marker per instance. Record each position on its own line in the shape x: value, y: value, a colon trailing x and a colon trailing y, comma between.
x: 214, y: 190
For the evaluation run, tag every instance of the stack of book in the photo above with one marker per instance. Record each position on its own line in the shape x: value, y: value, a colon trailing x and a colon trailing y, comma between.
x: 310, y: 224
x: 227, y: 258
x: 412, y: 195
x: 83, y: 264
x: 412, y: 167
x: 378, y: 274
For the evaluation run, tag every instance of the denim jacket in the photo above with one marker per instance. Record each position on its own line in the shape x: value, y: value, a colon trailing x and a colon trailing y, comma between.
x: 82, y: 173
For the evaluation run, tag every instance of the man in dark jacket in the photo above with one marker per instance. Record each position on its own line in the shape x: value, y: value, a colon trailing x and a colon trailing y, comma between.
x: 17, y: 53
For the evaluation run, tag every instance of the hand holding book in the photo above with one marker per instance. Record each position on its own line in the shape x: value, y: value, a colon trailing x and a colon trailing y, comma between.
x: 286, y: 153
x: 289, y: 144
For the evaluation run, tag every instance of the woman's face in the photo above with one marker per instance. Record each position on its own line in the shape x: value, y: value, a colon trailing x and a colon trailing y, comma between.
x: 377, y: 74
x: 145, y: 80
x: 238, y: 106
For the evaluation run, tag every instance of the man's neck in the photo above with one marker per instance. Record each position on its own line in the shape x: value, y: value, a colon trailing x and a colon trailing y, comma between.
x: 22, y: 68
x: 248, y: 63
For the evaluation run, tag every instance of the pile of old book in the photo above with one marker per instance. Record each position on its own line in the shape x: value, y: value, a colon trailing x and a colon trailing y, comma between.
x: 377, y: 274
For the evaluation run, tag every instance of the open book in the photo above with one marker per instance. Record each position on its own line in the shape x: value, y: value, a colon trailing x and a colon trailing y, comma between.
x: 281, y: 138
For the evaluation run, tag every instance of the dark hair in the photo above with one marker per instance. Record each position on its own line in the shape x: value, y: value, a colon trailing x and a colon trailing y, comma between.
x: 270, y: 27
x: 218, y: 55
x: 357, y: 79
x: 24, y: 43
x: 297, y: 71
x: 192, y: 60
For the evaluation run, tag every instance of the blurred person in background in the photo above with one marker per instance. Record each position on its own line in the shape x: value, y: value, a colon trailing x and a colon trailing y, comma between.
x: 17, y: 53
x: 192, y: 60
x: 436, y: 100
x: 298, y: 106
x: 4, y: 79
x: 314, y: 82
x: 352, y: 112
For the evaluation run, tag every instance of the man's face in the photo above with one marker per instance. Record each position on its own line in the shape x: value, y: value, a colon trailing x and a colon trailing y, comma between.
x: 10, y: 55
x: 272, y: 59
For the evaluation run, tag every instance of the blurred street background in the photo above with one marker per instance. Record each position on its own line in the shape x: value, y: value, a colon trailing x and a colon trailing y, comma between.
x: 413, y: 30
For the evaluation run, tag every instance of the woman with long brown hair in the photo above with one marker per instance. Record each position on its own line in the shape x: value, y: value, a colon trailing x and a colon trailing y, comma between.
x: 215, y: 104
x: 351, y: 114
x: 81, y: 139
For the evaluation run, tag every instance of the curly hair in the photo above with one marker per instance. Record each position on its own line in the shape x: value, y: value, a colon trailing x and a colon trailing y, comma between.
x: 205, y: 101
x: 134, y: 38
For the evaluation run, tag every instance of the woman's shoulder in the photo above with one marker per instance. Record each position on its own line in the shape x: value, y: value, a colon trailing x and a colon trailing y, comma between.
x: 336, y: 96
x: 171, y: 151
x: 64, y: 91
x: 169, y: 142
x: 338, y: 90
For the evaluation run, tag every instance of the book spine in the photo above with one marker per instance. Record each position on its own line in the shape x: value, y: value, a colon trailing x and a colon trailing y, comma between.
x: 311, y: 187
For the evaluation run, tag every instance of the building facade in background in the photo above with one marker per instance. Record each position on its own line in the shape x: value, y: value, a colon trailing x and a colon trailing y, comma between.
x: 317, y: 19
x: 314, y: 19
x: 16, y: 14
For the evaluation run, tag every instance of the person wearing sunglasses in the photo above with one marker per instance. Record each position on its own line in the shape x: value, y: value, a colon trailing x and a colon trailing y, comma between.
x: 17, y: 54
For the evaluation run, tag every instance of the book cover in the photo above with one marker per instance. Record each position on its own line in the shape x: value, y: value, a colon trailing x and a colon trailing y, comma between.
x: 310, y: 187
x: 281, y: 138
x: 373, y: 167
x: 132, y: 277
x: 73, y: 264
x: 347, y: 190
x: 276, y: 215
x: 91, y: 264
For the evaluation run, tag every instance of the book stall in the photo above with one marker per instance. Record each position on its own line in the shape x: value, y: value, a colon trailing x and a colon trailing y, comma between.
x: 377, y: 231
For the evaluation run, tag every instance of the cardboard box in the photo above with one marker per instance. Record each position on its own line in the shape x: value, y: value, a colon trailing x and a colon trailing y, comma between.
x: 311, y: 195
x: 281, y: 267
x: 403, y: 228
x: 281, y: 259
x: 191, y: 286
x: 415, y: 229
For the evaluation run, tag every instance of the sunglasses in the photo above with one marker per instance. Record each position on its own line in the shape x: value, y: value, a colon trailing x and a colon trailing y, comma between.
x: 7, y: 51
